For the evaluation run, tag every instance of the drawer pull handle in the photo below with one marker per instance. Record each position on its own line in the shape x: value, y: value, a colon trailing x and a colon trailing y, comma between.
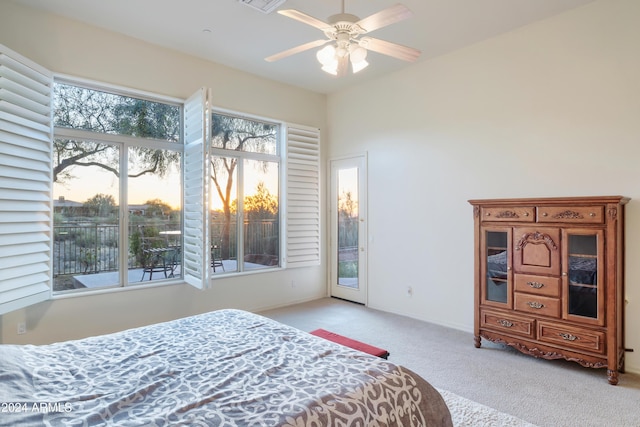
x: 568, y: 337
x: 545, y: 214
x: 592, y: 214
x: 535, y: 304
x: 535, y: 285
x: 505, y: 323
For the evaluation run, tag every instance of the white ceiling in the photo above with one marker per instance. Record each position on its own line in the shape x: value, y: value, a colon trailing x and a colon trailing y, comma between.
x: 231, y: 33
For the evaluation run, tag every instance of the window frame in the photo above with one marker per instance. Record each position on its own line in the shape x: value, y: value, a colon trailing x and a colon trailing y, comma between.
x: 124, y: 143
x: 243, y: 155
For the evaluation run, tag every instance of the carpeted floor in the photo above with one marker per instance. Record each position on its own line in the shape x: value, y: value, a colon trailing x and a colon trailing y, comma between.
x: 540, y: 392
x: 467, y: 413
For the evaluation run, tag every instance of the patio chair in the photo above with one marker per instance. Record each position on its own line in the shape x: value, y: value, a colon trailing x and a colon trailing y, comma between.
x: 216, y: 262
x: 157, y: 257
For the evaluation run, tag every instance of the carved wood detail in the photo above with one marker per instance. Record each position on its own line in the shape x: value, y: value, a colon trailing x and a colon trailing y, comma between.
x: 507, y: 214
x: 536, y: 238
x: 543, y: 354
x: 568, y: 215
x: 613, y: 214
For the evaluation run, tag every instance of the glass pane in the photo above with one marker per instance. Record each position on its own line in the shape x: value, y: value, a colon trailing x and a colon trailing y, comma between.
x: 236, y: 133
x: 583, y: 275
x: 155, y: 216
x: 348, y: 223
x: 224, y: 214
x: 261, y: 227
x: 497, y: 278
x: 86, y: 227
x: 89, y: 109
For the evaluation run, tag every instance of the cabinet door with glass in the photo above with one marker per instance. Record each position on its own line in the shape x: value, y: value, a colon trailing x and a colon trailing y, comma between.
x: 583, y: 275
x: 496, y: 272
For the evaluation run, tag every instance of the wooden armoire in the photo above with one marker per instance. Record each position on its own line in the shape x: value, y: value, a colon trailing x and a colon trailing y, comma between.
x: 549, y: 277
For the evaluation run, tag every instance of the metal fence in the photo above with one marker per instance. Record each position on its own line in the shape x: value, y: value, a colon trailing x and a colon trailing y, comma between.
x: 92, y: 248
x: 85, y: 249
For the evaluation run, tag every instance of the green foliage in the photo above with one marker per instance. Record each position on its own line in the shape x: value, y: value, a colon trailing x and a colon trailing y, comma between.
x: 262, y: 205
x: 157, y: 207
x: 88, y: 258
x: 348, y: 269
x: 100, y: 205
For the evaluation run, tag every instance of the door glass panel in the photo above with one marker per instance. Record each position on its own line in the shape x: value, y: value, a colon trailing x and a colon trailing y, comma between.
x: 583, y: 275
x: 348, y: 242
x: 497, y: 278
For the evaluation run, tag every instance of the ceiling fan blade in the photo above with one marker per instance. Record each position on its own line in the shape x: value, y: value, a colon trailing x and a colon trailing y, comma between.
x: 385, y: 17
x: 391, y: 49
x: 296, y: 49
x: 304, y: 18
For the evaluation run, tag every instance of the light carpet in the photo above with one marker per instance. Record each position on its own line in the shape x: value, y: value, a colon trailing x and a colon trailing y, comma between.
x: 467, y: 413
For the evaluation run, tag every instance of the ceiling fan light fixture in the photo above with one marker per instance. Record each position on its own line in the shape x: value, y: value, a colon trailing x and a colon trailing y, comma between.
x: 358, y: 66
x: 357, y: 53
x: 331, y: 68
x: 327, y: 55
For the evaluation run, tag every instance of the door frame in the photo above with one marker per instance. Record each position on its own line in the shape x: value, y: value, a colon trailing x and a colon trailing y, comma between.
x: 359, y: 294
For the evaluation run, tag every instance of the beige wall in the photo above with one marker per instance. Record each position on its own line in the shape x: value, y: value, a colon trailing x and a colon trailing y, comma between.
x: 552, y: 109
x: 71, y: 48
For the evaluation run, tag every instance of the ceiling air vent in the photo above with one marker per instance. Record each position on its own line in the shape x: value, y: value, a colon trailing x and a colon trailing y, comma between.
x: 264, y: 6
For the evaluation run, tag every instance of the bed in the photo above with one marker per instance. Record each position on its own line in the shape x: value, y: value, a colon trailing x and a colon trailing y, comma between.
x: 223, y: 368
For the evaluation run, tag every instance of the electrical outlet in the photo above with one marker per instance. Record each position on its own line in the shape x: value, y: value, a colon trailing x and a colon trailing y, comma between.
x: 22, y: 328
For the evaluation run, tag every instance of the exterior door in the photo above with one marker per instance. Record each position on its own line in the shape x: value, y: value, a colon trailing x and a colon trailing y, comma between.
x: 348, y: 241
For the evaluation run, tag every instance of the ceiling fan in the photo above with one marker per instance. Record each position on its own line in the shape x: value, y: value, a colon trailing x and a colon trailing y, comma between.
x: 346, y: 32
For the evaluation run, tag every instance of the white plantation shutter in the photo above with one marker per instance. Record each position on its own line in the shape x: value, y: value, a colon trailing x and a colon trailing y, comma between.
x: 303, y: 196
x: 197, y: 125
x: 25, y: 181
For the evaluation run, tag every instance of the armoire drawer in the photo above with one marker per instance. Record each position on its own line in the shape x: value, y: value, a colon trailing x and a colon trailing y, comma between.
x: 571, y: 214
x: 566, y: 336
x: 515, y: 213
x: 536, y: 304
x: 507, y: 323
x: 537, y: 285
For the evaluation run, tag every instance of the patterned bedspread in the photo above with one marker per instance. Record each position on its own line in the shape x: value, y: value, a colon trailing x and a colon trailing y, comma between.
x: 224, y: 368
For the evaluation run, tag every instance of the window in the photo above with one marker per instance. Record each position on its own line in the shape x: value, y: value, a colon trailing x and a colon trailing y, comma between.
x: 121, y: 213
x: 116, y: 187
x: 245, y: 202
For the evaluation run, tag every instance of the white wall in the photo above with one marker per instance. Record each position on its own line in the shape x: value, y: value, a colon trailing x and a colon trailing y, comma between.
x: 552, y: 109
x: 72, y: 48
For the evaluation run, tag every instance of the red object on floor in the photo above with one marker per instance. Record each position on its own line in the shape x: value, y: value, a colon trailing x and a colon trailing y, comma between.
x: 348, y: 342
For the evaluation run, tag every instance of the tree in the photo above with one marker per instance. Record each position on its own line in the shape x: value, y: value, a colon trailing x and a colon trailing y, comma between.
x: 106, y: 113
x: 100, y: 205
x: 347, y: 220
x: 157, y: 207
x: 237, y: 134
x: 262, y: 205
